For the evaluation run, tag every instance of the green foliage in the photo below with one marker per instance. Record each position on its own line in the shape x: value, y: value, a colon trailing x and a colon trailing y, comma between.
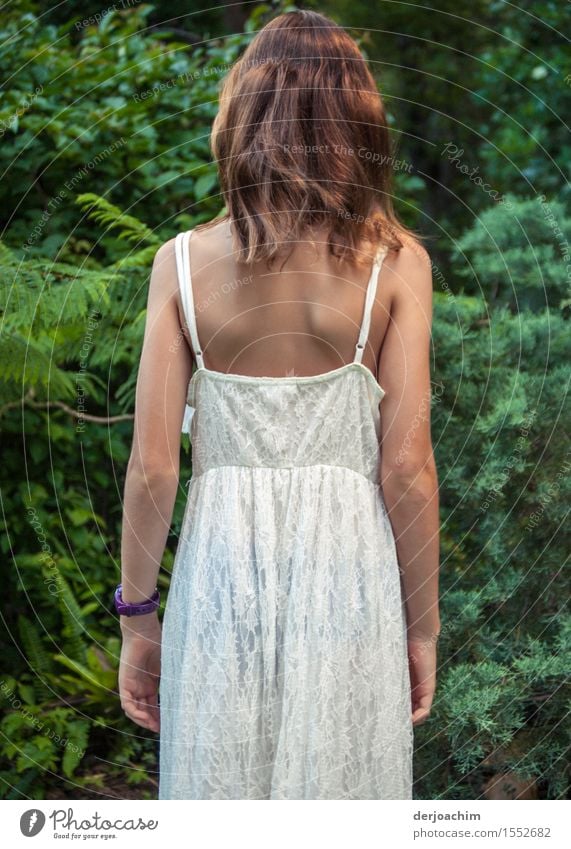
x: 504, y: 456
x: 105, y: 213
x: 46, y: 310
x: 525, y: 78
x: 119, y: 111
x: 96, y: 177
x: 72, y: 332
x: 488, y: 77
x: 518, y: 254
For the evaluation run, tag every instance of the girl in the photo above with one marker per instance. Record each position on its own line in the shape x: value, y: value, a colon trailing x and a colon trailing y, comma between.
x: 298, y: 643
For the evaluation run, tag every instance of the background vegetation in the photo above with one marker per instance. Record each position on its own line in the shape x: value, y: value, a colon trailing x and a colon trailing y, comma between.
x: 104, y: 122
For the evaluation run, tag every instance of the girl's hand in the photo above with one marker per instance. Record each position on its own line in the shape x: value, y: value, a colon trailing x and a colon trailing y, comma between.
x: 140, y: 669
x: 422, y: 669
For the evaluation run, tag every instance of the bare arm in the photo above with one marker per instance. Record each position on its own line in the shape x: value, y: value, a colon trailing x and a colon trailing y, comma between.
x: 153, y: 470
x: 151, y: 485
x: 408, y: 472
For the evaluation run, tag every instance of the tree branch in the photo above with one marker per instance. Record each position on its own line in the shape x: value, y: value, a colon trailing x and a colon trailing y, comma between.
x: 69, y: 410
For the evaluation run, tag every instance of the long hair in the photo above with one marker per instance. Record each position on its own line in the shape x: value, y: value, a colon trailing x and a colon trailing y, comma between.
x: 301, y: 140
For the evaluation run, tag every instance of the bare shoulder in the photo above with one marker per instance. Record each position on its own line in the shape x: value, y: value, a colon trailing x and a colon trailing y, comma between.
x: 164, y: 279
x: 410, y: 269
x: 412, y: 257
x: 205, y: 249
x: 214, y: 239
x: 164, y: 255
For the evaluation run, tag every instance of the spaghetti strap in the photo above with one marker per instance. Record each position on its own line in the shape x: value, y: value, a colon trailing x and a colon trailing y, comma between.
x: 182, y: 252
x: 369, y: 300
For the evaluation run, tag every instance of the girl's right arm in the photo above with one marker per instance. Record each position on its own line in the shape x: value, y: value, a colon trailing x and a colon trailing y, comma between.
x: 408, y: 472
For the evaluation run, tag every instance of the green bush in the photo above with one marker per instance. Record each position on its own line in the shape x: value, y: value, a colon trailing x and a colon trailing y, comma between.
x: 118, y: 112
x: 73, y: 287
x: 504, y: 454
x: 120, y: 115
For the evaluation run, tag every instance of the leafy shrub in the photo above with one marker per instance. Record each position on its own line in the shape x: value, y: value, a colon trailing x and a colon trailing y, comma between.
x: 504, y: 455
x: 71, y: 336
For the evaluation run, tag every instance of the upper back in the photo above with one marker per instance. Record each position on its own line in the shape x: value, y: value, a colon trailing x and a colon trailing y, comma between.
x: 302, y: 317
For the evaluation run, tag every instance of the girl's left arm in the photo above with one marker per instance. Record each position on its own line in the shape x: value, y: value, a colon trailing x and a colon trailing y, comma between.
x: 153, y: 470
x: 151, y: 486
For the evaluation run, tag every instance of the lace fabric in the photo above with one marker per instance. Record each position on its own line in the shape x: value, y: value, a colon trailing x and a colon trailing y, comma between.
x: 284, y: 662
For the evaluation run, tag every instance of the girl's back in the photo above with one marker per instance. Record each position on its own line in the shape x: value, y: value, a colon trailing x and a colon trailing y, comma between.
x: 299, y: 317
x: 297, y: 331
x: 284, y: 636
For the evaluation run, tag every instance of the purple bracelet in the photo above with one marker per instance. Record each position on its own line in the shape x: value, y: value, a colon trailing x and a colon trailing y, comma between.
x: 138, y: 608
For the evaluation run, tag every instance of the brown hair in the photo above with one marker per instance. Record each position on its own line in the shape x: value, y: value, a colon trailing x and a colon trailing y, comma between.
x: 301, y: 140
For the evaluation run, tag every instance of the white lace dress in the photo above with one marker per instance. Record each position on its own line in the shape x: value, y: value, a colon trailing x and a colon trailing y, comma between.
x: 284, y: 666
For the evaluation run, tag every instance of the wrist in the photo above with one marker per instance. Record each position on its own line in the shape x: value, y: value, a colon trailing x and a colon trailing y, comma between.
x: 143, y: 625
x: 424, y: 633
x: 425, y: 627
x: 127, y: 608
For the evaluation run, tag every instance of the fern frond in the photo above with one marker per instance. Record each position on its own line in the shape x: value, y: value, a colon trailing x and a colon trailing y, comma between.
x: 103, y: 212
x: 77, y: 740
x: 74, y: 628
x: 30, y: 363
x: 137, y: 259
x: 38, y: 657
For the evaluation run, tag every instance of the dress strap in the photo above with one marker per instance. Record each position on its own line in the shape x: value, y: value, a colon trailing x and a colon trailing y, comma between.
x: 369, y: 301
x: 182, y: 252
